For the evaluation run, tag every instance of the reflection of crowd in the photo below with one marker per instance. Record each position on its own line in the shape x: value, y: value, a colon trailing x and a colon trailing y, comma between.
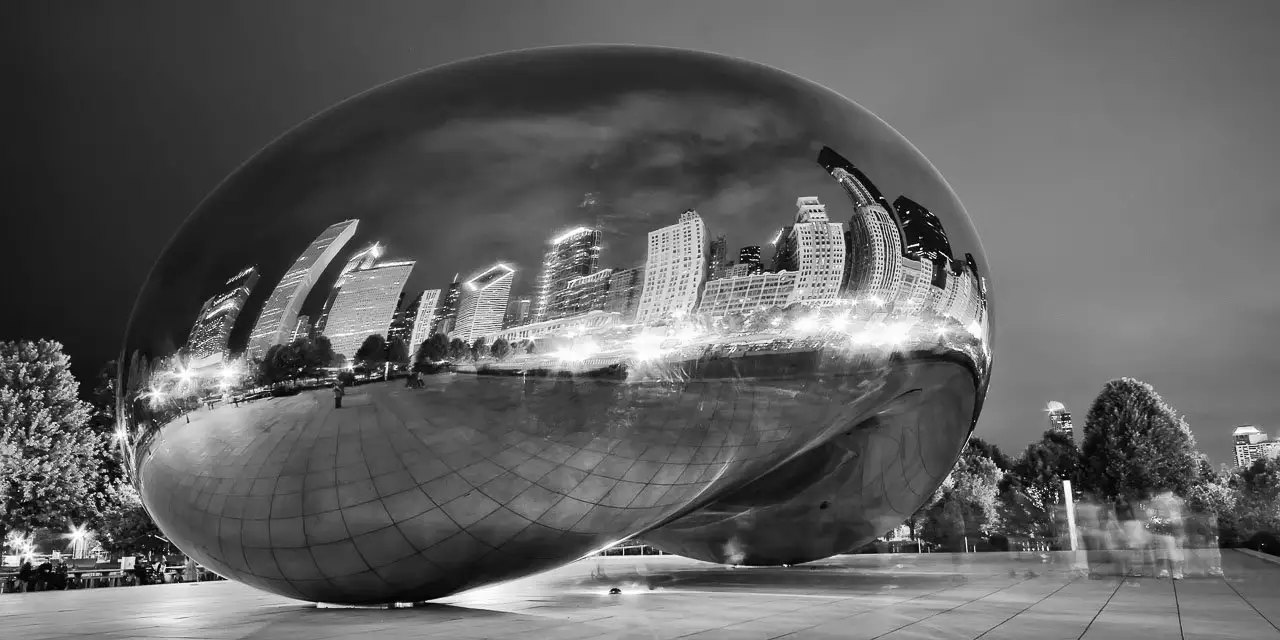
x: 1159, y: 537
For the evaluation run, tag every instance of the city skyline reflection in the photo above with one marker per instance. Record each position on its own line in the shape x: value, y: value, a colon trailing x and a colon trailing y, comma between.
x: 566, y: 262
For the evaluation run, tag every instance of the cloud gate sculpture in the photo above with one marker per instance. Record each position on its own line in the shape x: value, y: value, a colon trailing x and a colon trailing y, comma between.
x: 569, y: 296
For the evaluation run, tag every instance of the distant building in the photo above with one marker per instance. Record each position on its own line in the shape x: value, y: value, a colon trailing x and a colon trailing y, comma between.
x: 447, y: 313
x: 586, y: 293
x: 368, y: 292
x: 752, y: 258
x: 674, y: 270
x: 207, y: 342
x: 815, y: 248
x: 746, y: 293
x: 303, y: 329
x: 875, y: 237
x: 1251, y: 444
x: 1060, y: 419
x: 924, y: 237
x: 279, y: 315
x: 625, y: 286
x: 573, y: 254
x: 424, y: 319
x: 559, y: 326
x: 484, y: 303
x: 719, y: 256
x: 401, y: 322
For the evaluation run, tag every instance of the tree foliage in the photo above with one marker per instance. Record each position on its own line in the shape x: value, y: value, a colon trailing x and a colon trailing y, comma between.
x: 433, y: 349
x: 458, y: 349
x: 968, y: 504
x: 48, y: 452
x: 1032, y: 490
x: 397, y: 352
x: 127, y: 528
x: 500, y: 349
x: 1135, y: 445
x: 372, y: 352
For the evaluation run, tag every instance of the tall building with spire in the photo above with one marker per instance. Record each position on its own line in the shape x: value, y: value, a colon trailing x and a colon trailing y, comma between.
x: 484, y: 303
x: 572, y: 254
x: 279, y: 315
x: 207, y: 343
x: 674, y: 270
x: 367, y: 294
x: 447, y: 312
x: 875, y: 235
x: 1059, y: 419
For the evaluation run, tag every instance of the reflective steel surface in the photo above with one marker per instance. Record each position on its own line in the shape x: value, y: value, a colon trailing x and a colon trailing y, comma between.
x: 696, y: 299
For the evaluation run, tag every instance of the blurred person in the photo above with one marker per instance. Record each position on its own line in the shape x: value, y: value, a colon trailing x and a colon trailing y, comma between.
x: 1202, y: 554
x: 189, y: 571
x: 1137, y: 540
x: 1168, y: 536
x: 1089, y: 524
x: 26, y: 577
x: 337, y: 395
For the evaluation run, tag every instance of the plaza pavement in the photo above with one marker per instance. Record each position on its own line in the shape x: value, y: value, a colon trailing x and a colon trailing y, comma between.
x: 989, y: 596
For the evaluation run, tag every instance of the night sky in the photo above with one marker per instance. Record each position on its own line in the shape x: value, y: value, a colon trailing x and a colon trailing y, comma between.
x: 1118, y: 160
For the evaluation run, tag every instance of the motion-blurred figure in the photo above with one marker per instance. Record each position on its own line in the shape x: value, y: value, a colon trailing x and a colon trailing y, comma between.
x: 1137, y: 541
x: 1168, y: 536
x: 1203, y: 556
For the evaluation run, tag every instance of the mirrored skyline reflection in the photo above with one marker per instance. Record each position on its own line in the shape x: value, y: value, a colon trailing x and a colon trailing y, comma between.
x: 673, y: 223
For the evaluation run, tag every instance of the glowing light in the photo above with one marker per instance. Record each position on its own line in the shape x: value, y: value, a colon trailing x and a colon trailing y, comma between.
x: 840, y: 322
x: 569, y: 234
x: 807, y: 324
x: 647, y: 347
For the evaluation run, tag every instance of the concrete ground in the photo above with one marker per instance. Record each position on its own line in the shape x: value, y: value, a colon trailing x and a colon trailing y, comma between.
x: 990, y: 596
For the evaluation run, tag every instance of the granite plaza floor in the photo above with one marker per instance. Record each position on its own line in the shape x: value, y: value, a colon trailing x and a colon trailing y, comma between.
x: 989, y: 596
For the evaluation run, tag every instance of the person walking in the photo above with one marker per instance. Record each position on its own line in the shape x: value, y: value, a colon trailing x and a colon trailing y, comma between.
x: 337, y: 395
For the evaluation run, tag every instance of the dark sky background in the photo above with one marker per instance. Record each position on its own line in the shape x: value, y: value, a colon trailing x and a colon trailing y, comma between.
x: 1118, y: 159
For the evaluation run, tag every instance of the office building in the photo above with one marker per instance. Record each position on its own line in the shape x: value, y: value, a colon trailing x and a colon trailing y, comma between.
x: 814, y: 251
x: 625, y: 287
x: 573, y: 254
x: 875, y: 237
x: 923, y: 237
x: 747, y: 293
x: 585, y: 293
x: 424, y: 319
x: 207, y: 342
x: 719, y: 259
x: 402, y: 322
x: 752, y: 258
x: 1251, y: 444
x: 1059, y: 419
x: 279, y: 317
x: 484, y: 303
x: 447, y: 312
x: 302, y: 330
x: 674, y: 270
x: 366, y: 300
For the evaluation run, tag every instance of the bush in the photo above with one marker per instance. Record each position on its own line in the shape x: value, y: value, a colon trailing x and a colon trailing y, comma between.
x: 1265, y: 542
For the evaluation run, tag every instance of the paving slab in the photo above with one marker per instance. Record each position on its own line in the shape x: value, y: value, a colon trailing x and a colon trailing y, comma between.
x: 889, y: 597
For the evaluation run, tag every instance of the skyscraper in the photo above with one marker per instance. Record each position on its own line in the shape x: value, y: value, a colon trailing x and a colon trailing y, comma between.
x: 447, y: 312
x: 366, y: 302
x: 524, y: 309
x: 424, y: 319
x: 279, y: 315
x: 303, y: 329
x: 1059, y: 419
x: 207, y: 343
x: 573, y: 254
x: 875, y: 237
x: 814, y: 249
x: 924, y: 237
x: 587, y: 293
x: 364, y: 257
x: 719, y: 258
x: 625, y: 286
x: 674, y: 269
x: 402, y: 322
x: 752, y: 258
x: 1251, y: 444
x: 484, y: 302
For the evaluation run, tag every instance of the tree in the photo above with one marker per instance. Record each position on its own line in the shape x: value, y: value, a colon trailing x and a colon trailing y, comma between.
x: 320, y: 352
x: 968, y: 504
x: 1032, y: 489
x: 991, y: 451
x: 530, y: 347
x: 433, y: 349
x: 1257, y: 489
x: 372, y: 352
x: 397, y: 352
x: 457, y: 349
x: 500, y: 349
x: 1135, y: 445
x: 128, y: 529
x: 479, y: 349
x: 47, y: 452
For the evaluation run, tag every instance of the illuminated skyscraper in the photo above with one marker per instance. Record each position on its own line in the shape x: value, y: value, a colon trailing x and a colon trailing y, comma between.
x: 625, y: 286
x: 302, y: 329
x: 719, y: 258
x: 674, y: 270
x: 402, y: 322
x: 573, y: 254
x: 424, y: 319
x: 279, y: 315
x: 1059, y: 419
x: 587, y: 293
x: 366, y: 302
x: 1251, y: 444
x: 447, y: 312
x: 752, y: 258
x: 207, y: 344
x: 875, y: 237
x: 484, y: 303
x: 522, y: 312
x: 815, y: 248
x: 924, y: 237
